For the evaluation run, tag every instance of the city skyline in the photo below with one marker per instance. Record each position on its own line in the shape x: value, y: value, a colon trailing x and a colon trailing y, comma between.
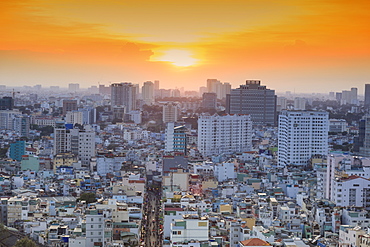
x: 303, y: 47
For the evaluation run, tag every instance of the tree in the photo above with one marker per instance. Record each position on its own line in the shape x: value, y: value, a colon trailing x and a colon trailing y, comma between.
x: 25, y: 242
x: 89, y: 197
x: 3, y: 152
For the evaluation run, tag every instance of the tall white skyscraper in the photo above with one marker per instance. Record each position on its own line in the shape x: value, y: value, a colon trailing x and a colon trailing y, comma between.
x: 301, y: 135
x: 148, y: 92
x: 224, y: 134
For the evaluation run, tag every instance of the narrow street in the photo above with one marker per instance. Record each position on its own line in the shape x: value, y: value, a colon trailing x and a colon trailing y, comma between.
x: 151, y: 228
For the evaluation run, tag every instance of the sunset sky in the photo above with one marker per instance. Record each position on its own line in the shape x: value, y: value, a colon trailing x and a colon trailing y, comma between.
x: 302, y: 46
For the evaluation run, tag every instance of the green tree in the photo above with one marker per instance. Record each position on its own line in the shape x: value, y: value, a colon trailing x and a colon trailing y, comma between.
x: 3, y: 152
x: 25, y: 242
x: 89, y: 197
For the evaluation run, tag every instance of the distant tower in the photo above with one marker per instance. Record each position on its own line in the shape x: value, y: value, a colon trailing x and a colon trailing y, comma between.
x: 299, y: 104
x: 6, y: 103
x: 123, y: 94
x: 73, y: 87
x: 209, y: 100
x: 367, y: 95
x: 69, y: 105
x: 148, y: 92
x: 170, y: 112
x: 156, y: 85
x: 221, y: 89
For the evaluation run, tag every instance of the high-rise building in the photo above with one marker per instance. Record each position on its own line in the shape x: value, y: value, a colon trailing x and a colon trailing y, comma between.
x: 60, y: 144
x: 221, y: 89
x: 281, y: 104
x: 148, y: 93
x: 85, y: 145
x: 202, y: 90
x: 73, y: 87
x: 123, y: 94
x: 367, y: 94
x: 224, y: 134
x: 7, y: 118
x: 299, y: 104
x: 104, y: 90
x: 156, y: 85
x: 209, y: 101
x: 302, y: 134
x: 6, y: 103
x: 175, y: 93
x: 349, y: 97
x: 255, y: 100
x: 17, y: 149
x: 176, y: 138
x: 69, y: 105
x: 21, y: 124
x: 170, y: 112
x: 88, y: 115
x: 362, y: 141
x: 212, y: 85
x: 74, y: 117
x: 338, y: 97
x: 76, y: 141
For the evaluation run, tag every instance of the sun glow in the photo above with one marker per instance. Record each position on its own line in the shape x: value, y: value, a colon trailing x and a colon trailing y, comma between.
x: 178, y: 57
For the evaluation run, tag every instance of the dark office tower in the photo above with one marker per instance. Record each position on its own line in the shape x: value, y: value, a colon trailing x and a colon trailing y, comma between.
x: 367, y: 94
x: 69, y: 105
x: 253, y: 99
x: 209, y: 100
x: 362, y: 141
x: 6, y: 103
x: 123, y: 94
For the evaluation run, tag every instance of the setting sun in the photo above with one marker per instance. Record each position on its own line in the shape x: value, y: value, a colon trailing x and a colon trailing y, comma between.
x: 181, y: 58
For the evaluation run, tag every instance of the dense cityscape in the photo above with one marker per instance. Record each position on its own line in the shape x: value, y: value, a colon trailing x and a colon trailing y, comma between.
x: 138, y: 165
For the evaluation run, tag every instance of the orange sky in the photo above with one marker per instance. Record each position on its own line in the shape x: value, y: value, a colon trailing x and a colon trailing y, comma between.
x: 305, y: 45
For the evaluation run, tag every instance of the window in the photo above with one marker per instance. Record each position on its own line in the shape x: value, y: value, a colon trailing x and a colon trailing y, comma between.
x: 202, y: 223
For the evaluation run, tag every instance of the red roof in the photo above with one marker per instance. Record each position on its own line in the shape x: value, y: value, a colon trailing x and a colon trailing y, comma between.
x: 254, y: 242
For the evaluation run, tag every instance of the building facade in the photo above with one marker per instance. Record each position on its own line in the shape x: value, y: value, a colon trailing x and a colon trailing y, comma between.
x: 69, y: 105
x: 209, y: 100
x: 255, y: 100
x: 123, y: 94
x: 176, y: 139
x: 367, y: 95
x: 148, y: 92
x: 170, y: 112
x: 224, y: 134
x: 302, y: 134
